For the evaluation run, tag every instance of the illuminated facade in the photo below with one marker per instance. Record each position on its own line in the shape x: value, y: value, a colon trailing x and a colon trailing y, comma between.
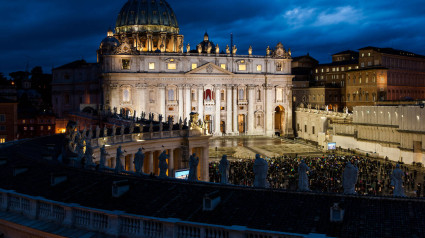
x: 147, y: 68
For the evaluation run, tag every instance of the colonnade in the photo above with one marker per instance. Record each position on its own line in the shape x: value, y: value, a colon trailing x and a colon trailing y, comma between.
x: 177, y: 159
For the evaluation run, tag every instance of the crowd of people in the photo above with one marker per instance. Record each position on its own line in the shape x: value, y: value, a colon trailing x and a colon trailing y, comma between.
x: 325, y: 174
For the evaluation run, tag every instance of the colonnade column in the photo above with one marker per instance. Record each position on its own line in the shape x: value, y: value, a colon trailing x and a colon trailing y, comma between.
x: 131, y: 165
x: 235, y: 110
x: 201, y: 102
x: 251, y: 102
x: 205, y: 164
x: 171, y: 163
x: 151, y: 161
x: 229, y: 109
x: 217, y: 118
x: 150, y: 43
x: 181, y: 103
x: 162, y: 100
x: 187, y: 102
x: 269, y: 109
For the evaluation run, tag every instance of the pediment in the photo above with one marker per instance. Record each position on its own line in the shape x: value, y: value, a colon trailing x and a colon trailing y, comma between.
x: 210, y: 69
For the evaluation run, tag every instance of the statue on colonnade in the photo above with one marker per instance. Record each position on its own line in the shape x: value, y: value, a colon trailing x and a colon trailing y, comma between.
x: 223, y: 167
x: 193, y: 167
x: 261, y: 168
x: 163, y: 166
x: 349, y: 179
x: 139, y: 159
x: 303, y: 183
x: 397, y: 181
x: 118, y: 165
x: 103, y: 154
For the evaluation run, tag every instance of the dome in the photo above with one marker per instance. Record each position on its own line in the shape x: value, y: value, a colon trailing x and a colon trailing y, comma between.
x: 147, y: 15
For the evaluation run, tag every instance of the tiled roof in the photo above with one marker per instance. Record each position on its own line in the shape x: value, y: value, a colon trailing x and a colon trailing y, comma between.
x: 263, y: 209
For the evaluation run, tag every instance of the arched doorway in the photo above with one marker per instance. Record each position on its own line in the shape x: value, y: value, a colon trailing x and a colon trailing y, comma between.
x: 222, y: 127
x: 279, y: 120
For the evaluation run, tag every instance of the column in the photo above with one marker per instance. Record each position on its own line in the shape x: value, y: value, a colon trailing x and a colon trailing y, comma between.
x: 235, y: 110
x: 150, y: 161
x: 229, y: 109
x: 251, y: 108
x: 201, y: 102
x: 181, y: 103
x: 187, y: 102
x: 171, y: 163
x: 217, y: 117
x: 149, y: 36
x: 269, y: 110
x: 205, y: 164
x: 162, y: 100
x: 113, y: 162
x: 140, y: 99
x: 131, y: 165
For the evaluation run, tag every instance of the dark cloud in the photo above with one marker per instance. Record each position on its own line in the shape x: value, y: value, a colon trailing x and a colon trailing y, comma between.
x: 52, y: 33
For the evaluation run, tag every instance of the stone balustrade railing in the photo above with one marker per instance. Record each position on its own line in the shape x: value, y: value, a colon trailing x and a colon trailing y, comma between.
x: 126, y: 138
x: 324, y: 112
x: 118, y: 223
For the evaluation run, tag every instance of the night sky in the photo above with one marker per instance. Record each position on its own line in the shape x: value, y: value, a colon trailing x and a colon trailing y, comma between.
x: 51, y: 33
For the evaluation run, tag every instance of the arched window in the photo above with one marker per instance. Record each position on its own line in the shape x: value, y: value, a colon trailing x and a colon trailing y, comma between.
x: 171, y: 95
x: 259, y: 94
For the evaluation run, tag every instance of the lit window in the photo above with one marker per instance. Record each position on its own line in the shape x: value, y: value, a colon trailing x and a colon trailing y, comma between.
x: 172, y: 66
x: 349, y: 68
x: 362, y: 64
x: 317, y: 71
x: 49, y: 128
x: 223, y: 66
x: 151, y: 65
x: 323, y: 70
x: 342, y: 68
x: 41, y: 128
x: 25, y: 128
x: 333, y: 69
x: 194, y: 66
x: 125, y: 64
x: 362, y: 54
x: 259, y: 68
x: 242, y: 67
x: 222, y: 108
x: 23, y: 121
x: 2, y: 140
x: 368, y: 54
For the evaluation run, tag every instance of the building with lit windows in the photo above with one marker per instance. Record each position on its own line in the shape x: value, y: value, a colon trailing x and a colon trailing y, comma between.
x: 146, y: 67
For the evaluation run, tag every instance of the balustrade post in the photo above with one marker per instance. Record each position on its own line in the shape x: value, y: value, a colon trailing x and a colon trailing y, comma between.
x: 68, y: 219
x: 33, y: 212
x: 114, y: 224
x: 3, y: 205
